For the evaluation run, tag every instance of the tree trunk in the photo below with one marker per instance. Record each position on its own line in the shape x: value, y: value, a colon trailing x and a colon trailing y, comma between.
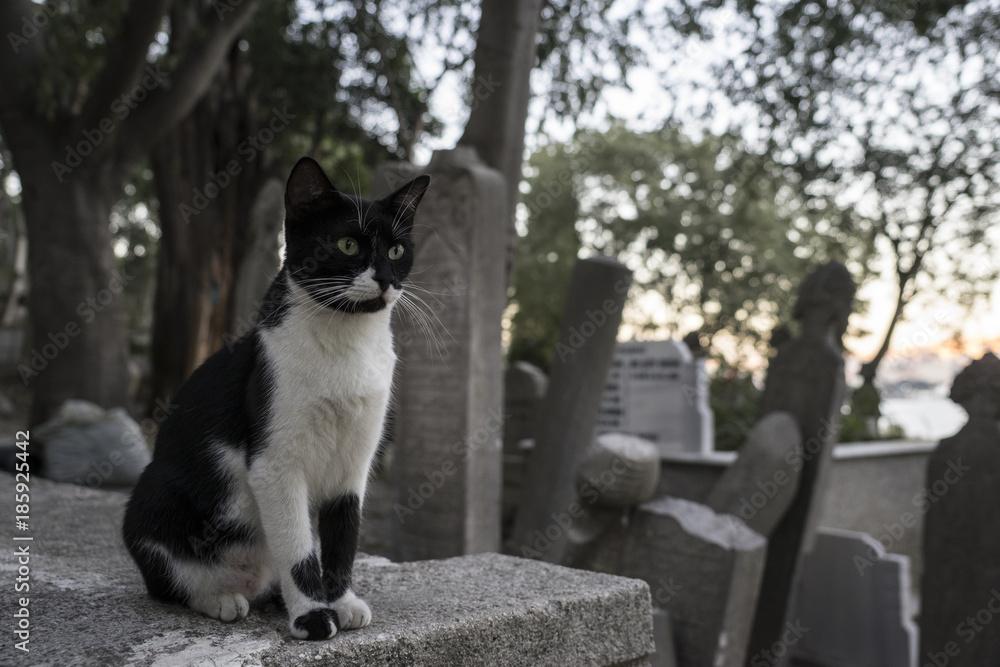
x: 78, y: 336
x: 505, y: 56
x: 205, y: 232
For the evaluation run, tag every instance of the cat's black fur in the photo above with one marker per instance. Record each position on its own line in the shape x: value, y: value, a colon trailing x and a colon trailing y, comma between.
x: 271, y: 438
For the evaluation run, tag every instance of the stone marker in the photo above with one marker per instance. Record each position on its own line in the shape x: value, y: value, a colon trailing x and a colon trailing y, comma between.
x: 448, y: 456
x: 88, y: 606
x: 597, y: 292
x: 523, y: 392
x: 618, y: 472
x: 88, y: 445
x: 760, y: 485
x: 805, y: 379
x: 658, y: 390
x: 960, y: 591
x: 713, y: 565
x: 854, y: 600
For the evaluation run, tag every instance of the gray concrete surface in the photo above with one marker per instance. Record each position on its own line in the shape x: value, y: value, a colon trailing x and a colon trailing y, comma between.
x: 88, y: 606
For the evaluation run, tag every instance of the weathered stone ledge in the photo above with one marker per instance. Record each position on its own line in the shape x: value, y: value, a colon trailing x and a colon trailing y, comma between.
x: 88, y: 606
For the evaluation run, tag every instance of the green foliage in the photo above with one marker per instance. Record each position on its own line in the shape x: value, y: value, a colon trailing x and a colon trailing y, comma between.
x: 546, y: 254
x: 734, y: 399
x: 722, y: 233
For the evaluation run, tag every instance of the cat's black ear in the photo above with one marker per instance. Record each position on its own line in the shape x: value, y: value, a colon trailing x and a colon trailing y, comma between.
x: 307, y: 185
x: 403, y: 202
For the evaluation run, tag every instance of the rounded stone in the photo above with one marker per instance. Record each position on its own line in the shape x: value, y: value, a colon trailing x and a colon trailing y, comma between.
x: 622, y: 469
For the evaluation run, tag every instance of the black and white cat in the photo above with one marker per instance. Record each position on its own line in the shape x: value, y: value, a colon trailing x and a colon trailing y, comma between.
x: 259, y: 472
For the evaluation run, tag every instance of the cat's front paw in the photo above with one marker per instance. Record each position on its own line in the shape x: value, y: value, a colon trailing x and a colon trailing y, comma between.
x: 352, y: 612
x: 315, y: 624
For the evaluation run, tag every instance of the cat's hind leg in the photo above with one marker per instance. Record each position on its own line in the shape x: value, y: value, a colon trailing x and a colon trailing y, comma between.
x: 221, y: 589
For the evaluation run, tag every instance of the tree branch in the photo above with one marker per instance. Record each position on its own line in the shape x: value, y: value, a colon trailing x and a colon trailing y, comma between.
x: 125, y: 61
x: 165, y: 107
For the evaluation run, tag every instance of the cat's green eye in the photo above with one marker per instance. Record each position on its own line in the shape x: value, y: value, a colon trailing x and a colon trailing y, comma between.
x: 396, y: 251
x: 348, y: 246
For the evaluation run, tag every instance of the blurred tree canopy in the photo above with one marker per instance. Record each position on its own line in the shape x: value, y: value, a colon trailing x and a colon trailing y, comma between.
x: 724, y: 235
x: 893, y: 111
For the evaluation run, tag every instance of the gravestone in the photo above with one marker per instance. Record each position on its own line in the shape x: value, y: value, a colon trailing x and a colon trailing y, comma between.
x: 597, y: 292
x: 761, y: 484
x: 617, y: 473
x: 960, y: 591
x: 854, y: 599
x: 713, y: 567
x: 658, y: 391
x: 806, y: 380
x: 523, y: 392
x: 448, y: 457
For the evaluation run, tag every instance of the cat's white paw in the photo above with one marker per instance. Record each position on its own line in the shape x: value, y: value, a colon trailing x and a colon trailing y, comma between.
x: 226, y: 607
x: 316, y: 624
x: 352, y: 611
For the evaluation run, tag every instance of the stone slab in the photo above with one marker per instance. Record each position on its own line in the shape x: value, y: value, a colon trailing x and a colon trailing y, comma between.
x: 706, y: 569
x: 88, y: 606
x: 854, y: 600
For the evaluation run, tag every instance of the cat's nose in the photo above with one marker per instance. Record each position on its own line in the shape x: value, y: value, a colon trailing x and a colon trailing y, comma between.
x: 383, y: 281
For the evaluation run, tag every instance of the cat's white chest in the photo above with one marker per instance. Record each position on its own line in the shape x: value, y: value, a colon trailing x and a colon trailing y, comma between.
x: 331, y: 379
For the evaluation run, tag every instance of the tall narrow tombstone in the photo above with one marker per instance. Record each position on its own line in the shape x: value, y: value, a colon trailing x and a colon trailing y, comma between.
x: 805, y: 379
x: 449, y: 389
x: 960, y: 591
x: 597, y: 292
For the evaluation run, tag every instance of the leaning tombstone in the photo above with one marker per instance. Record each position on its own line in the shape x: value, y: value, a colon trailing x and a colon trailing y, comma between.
x: 806, y: 380
x: 761, y: 484
x: 658, y: 390
x: 713, y: 564
x: 960, y: 591
x: 448, y: 456
x: 597, y: 292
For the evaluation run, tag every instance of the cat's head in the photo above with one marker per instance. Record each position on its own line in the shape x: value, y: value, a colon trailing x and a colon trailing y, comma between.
x: 348, y: 253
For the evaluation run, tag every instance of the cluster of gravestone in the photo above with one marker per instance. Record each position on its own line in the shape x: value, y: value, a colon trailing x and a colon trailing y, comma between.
x: 720, y: 572
x: 567, y: 468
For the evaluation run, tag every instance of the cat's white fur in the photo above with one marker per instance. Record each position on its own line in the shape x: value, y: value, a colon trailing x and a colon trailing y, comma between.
x: 332, y: 376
